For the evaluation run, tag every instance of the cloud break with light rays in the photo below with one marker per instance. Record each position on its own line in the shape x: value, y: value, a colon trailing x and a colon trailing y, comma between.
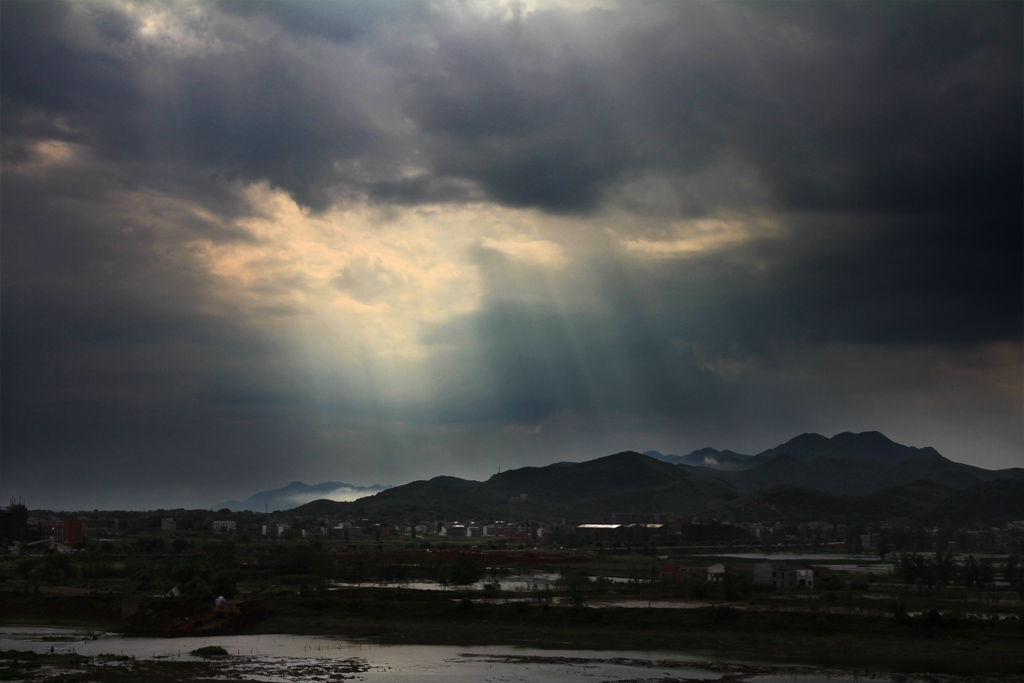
x: 251, y: 242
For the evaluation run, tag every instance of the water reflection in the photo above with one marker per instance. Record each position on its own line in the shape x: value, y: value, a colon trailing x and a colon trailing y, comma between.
x: 288, y: 658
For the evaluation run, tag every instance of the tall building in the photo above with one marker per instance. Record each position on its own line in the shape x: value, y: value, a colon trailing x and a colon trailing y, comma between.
x: 13, y: 521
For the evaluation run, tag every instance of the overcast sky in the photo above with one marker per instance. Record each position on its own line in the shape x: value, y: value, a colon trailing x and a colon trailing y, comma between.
x: 245, y: 243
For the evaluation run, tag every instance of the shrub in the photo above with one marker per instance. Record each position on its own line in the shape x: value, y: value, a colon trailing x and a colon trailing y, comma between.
x: 465, y: 570
x: 224, y: 584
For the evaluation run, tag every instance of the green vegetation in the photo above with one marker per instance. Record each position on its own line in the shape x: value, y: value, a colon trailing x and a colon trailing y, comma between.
x: 900, y: 505
x: 209, y: 651
x: 990, y: 503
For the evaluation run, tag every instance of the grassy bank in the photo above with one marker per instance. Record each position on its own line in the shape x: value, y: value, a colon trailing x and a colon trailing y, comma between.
x: 77, y: 611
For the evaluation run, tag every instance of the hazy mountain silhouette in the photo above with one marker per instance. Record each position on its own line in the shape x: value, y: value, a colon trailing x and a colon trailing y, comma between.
x: 297, y: 493
x: 705, y: 457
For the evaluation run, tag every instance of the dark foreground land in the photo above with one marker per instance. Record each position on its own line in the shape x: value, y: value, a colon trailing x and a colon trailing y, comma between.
x: 881, y: 624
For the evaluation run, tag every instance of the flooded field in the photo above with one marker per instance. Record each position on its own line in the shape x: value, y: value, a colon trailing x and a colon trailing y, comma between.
x: 295, y: 659
x: 790, y: 557
x: 536, y: 581
x: 882, y: 568
x: 834, y: 562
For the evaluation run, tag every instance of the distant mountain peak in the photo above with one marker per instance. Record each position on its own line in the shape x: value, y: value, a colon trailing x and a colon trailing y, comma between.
x: 872, y: 436
x: 872, y: 445
x: 705, y: 457
x: 868, y: 445
x: 808, y: 440
x: 448, y: 479
x: 864, y: 438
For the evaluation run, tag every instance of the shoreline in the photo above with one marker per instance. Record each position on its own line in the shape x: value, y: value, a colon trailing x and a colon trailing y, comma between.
x: 815, y: 637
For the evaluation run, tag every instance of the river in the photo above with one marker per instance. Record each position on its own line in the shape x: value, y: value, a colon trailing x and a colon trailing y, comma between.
x: 300, y: 659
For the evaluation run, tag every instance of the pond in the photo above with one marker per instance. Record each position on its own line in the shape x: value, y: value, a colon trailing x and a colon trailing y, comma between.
x: 294, y: 659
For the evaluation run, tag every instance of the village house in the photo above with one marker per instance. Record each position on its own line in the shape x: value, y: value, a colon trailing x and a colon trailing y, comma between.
x: 453, y: 531
x: 716, y: 573
x: 779, y: 575
x: 349, y: 530
x: 224, y: 527
x: 251, y: 529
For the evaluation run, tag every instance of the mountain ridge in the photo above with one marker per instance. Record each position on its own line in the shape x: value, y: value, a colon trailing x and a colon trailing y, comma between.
x: 849, y: 475
x: 621, y: 482
x: 845, y: 445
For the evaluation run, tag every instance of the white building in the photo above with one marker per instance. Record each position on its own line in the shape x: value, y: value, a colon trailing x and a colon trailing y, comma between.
x: 716, y: 573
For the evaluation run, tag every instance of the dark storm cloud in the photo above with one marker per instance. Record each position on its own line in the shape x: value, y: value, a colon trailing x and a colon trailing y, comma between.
x: 922, y: 280
x: 914, y: 107
x: 884, y: 138
x: 896, y: 128
x: 268, y: 111
x: 909, y: 107
x: 535, y: 120
x: 104, y: 337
